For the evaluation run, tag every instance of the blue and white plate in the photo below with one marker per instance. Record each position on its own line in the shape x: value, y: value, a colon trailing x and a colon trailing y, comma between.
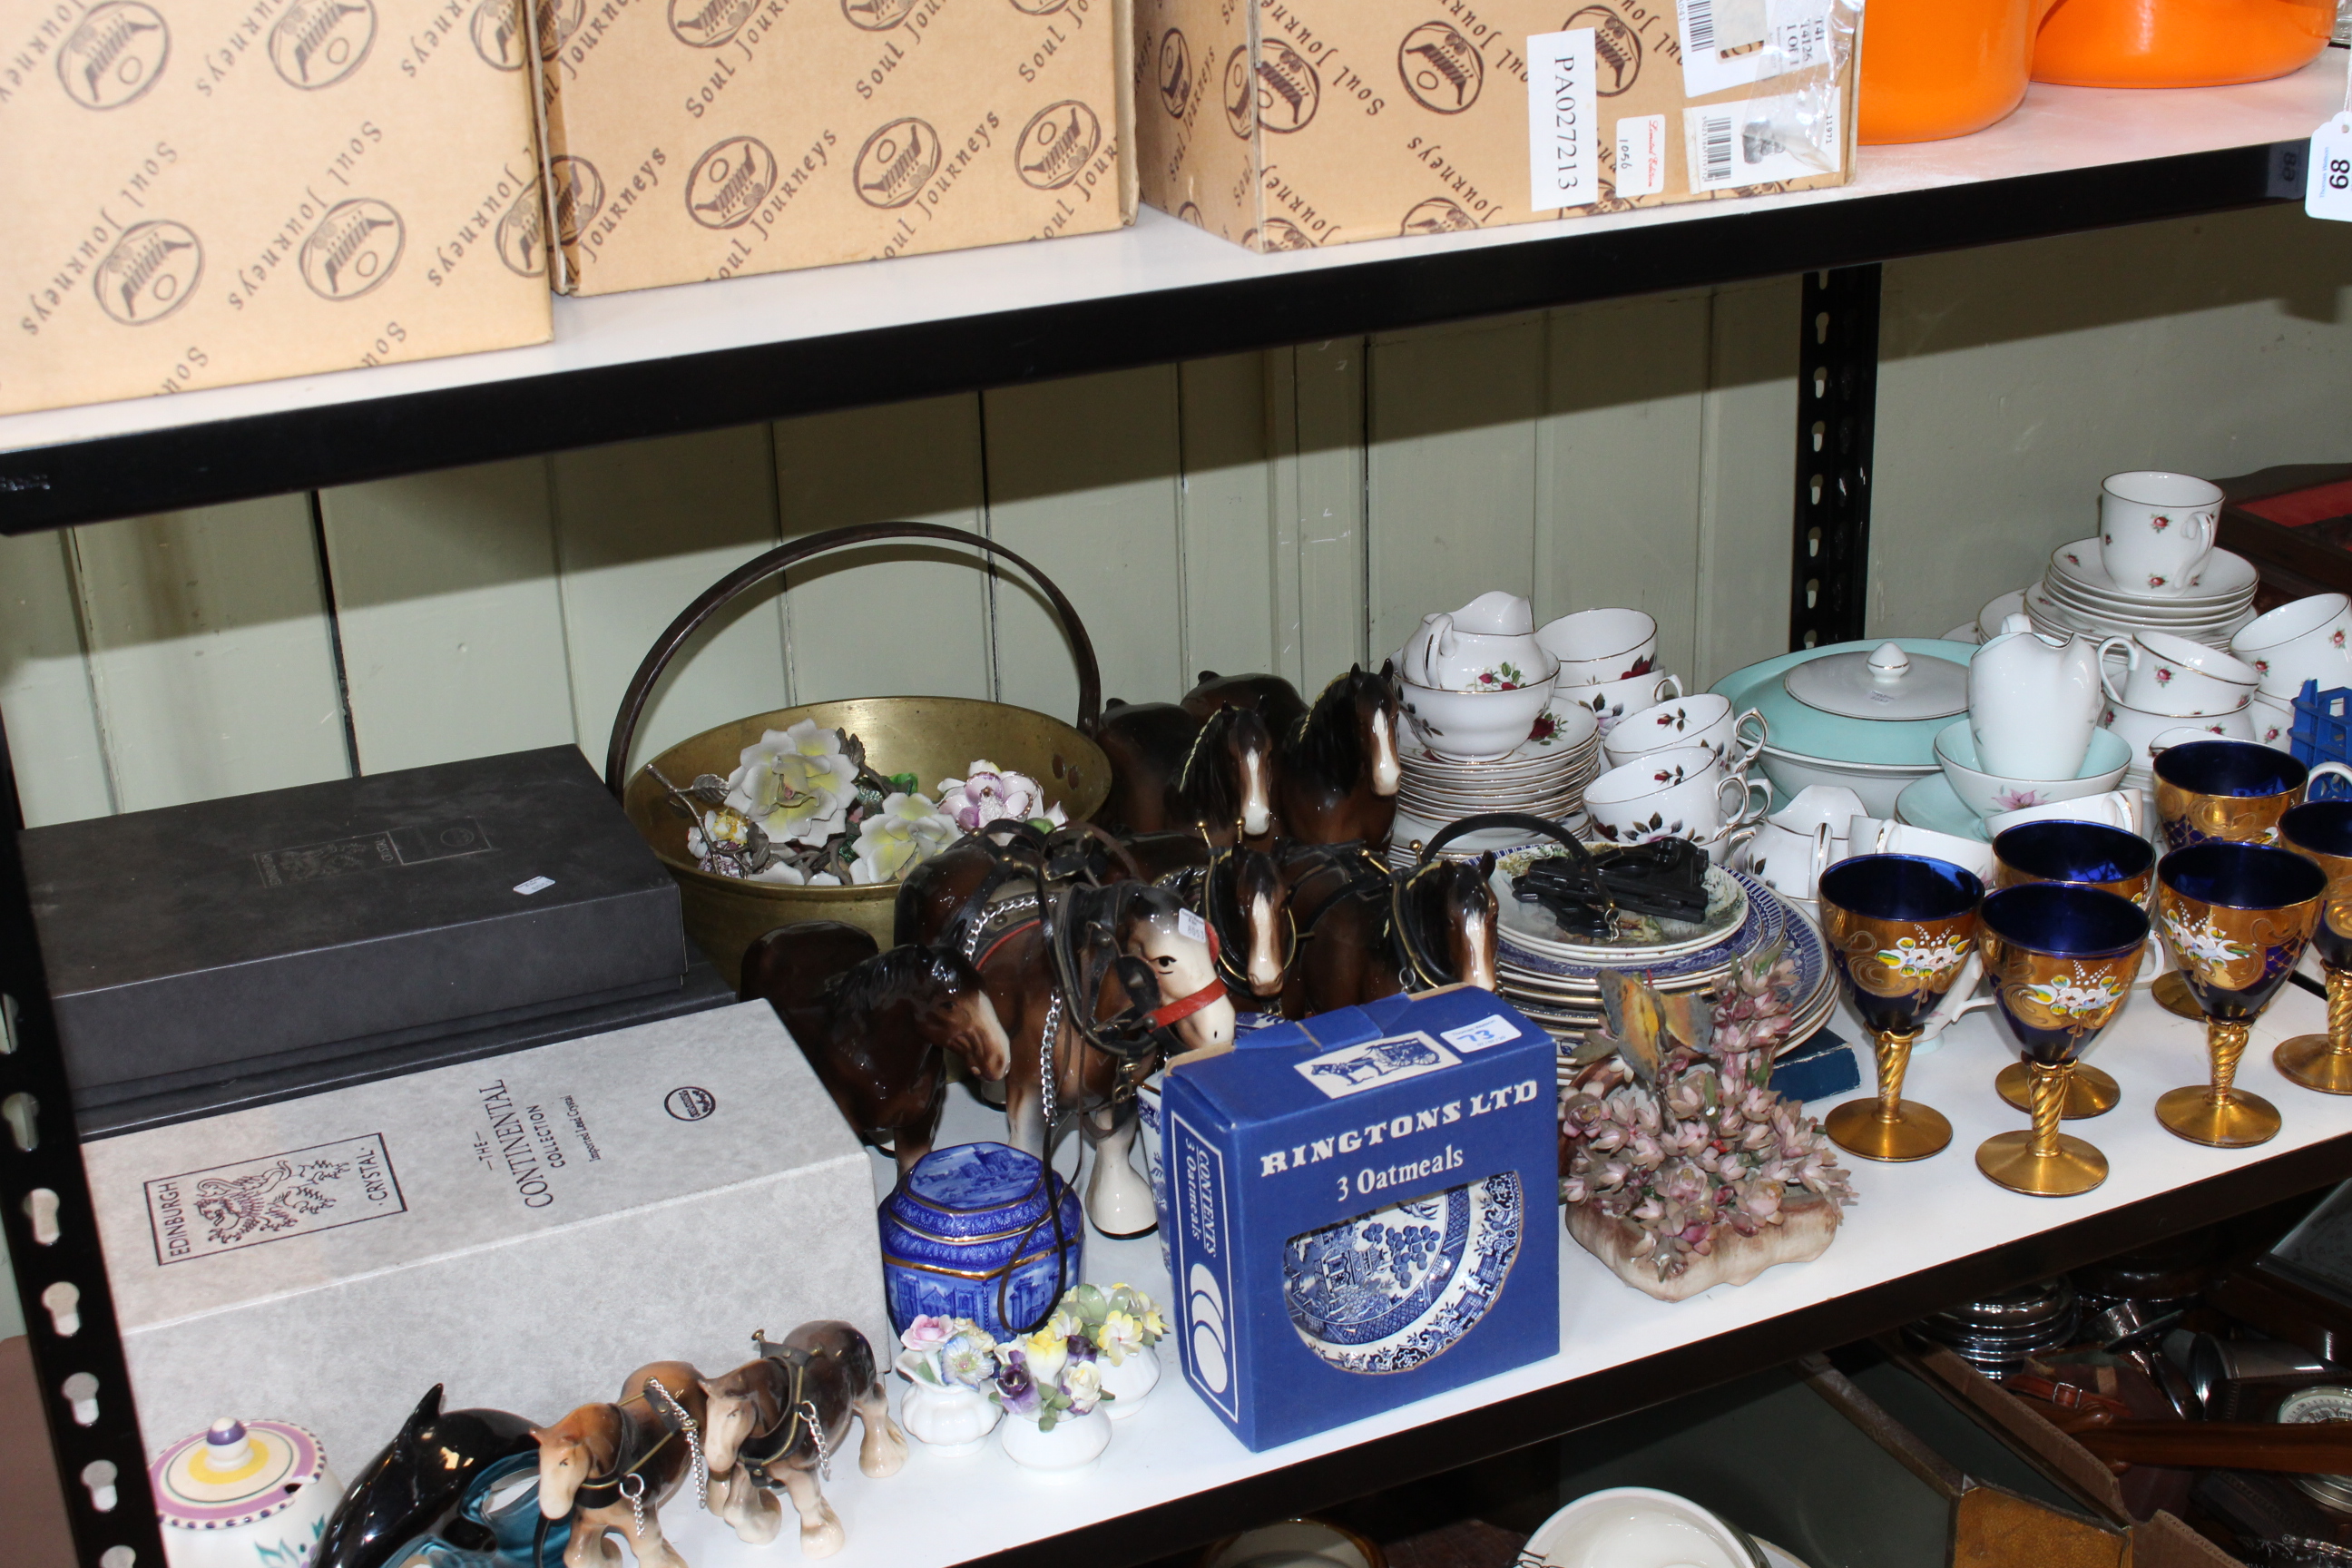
x: 1389, y: 1289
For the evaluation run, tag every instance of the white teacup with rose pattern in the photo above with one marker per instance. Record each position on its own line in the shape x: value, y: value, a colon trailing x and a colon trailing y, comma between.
x: 1681, y: 792
x: 1595, y: 647
x: 2168, y: 674
x: 2156, y: 529
x: 2307, y: 639
x: 1704, y: 718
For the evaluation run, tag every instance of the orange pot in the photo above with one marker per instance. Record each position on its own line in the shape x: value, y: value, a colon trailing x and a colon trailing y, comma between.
x: 1933, y: 68
x: 2177, y: 43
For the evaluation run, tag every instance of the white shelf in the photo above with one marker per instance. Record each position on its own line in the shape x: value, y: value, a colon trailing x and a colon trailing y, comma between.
x: 2058, y: 130
x: 942, y: 1510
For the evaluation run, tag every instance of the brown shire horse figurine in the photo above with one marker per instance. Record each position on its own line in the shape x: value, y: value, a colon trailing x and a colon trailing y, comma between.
x: 1241, y: 893
x: 1171, y: 769
x: 878, y: 1027
x: 1405, y: 931
x: 1336, y: 768
x: 779, y: 1420
x: 610, y: 1467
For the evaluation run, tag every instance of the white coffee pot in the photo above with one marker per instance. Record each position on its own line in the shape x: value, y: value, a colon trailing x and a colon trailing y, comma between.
x: 2034, y: 701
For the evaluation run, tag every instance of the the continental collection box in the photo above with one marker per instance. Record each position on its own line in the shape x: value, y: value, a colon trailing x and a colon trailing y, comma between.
x: 205, y: 191
x: 1285, y: 124
x: 702, y: 138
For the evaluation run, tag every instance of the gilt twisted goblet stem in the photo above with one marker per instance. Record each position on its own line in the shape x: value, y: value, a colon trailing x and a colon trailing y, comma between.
x: 2323, y: 1062
x: 2044, y: 1162
x: 1889, y: 1127
x: 2220, y: 1114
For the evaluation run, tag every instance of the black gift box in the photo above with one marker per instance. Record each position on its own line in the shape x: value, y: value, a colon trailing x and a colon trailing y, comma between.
x: 299, y: 936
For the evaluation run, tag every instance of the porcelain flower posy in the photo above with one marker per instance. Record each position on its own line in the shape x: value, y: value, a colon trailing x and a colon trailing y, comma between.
x: 989, y: 794
x: 903, y: 831
x: 949, y: 1352
x: 1053, y: 1372
x: 796, y: 784
x: 1119, y: 1321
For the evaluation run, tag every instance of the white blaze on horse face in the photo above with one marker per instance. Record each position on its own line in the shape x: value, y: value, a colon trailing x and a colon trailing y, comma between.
x: 1186, y: 969
x: 726, y: 1422
x: 563, y: 1466
x: 1384, y: 752
x: 991, y: 1053
x: 1257, y: 799
x: 1478, y: 954
x: 1265, y: 950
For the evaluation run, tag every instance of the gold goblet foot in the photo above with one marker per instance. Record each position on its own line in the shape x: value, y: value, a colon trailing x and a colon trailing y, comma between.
x: 2091, y: 1092
x: 2313, y: 1061
x: 1889, y: 1127
x: 2234, y: 1121
x: 2172, y: 995
x: 2007, y: 1160
x: 1915, y: 1131
x: 2220, y: 1115
x: 2323, y: 1062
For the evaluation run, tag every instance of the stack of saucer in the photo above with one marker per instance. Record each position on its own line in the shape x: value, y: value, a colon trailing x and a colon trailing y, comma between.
x: 2078, y: 595
x: 1555, y: 978
x: 1545, y: 777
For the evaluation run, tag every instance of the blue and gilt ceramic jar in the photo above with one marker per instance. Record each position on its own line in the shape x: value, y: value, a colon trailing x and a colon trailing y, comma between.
x: 967, y: 1233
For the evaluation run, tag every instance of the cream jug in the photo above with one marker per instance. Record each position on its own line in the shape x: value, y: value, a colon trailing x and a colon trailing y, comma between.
x: 2033, y: 701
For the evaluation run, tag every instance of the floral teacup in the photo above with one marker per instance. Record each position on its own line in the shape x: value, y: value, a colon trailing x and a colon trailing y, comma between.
x: 1703, y: 720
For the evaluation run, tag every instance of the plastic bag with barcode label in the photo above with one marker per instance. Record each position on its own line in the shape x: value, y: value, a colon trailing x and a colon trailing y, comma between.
x: 1802, y: 48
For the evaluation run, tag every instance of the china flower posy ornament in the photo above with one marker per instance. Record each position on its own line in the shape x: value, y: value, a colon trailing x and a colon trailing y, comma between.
x: 949, y: 1365
x: 1125, y: 1329
x: 1050, y: 1382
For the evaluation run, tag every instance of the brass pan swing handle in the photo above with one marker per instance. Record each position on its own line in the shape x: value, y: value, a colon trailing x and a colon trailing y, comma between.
x: 760, y: 568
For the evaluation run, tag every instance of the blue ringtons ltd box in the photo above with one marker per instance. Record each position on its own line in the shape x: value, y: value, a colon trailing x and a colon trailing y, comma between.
x: 1363, y: 1210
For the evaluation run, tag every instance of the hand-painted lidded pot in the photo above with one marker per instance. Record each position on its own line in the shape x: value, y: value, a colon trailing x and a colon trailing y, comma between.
x: 243, y: 1494
x: 968, y: 1233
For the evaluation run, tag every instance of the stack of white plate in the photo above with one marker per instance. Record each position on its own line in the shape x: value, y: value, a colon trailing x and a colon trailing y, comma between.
x: 2076, y: 594
x: 1555, y: 978
x: 1545, y: 777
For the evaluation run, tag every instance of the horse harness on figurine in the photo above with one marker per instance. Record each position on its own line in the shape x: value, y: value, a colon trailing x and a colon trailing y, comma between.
x: 798, y: 1415
x: 1197, y: 885
x: 626, y: 1480
x: 1419, y: 967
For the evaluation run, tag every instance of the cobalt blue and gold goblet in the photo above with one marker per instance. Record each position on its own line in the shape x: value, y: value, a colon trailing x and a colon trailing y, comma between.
x: 2229, y: 791
x: 1899, y: 928
x: 2321, y: 832
x: 2235, y: 917
x: 2085, y: 855
x: 2062, y: 960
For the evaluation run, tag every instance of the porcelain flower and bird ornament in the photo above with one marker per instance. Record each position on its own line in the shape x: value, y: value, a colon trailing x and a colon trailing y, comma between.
x: 1680, y: 1167
x: 804, y: 809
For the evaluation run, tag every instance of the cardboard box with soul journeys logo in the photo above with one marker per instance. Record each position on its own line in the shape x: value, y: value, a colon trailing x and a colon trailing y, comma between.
x: 526, y: 1229
x: 699, y: 139
x: 1365, y: 1210
x: 205, y: 191
x: 1287, y: 124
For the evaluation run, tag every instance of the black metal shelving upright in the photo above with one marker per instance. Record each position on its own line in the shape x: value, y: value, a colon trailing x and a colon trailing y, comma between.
x: 309, y: 443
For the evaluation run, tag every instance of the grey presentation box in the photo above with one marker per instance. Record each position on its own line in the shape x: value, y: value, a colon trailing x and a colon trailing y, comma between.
x: 305, y: 926
x: 524, y: 1229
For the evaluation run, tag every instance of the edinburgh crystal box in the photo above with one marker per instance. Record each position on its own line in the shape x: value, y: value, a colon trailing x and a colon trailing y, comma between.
x: 524, y: 1229
x: 1363, y: 1208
